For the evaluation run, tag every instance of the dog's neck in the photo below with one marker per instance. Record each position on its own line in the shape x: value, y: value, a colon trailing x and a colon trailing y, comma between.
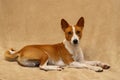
x: 70, y: 47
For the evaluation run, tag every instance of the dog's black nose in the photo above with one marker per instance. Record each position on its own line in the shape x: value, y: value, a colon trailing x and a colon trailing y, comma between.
x: 75, y: 41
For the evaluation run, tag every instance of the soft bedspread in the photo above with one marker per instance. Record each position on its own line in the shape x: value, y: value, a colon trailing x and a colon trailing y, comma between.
x: 24, y: 22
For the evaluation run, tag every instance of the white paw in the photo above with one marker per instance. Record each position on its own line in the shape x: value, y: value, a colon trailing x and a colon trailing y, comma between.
x: 50, y: 68
x: 60, y: 69
x: 98, y: 69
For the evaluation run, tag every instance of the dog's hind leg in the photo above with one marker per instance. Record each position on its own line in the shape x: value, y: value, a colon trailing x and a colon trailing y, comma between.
x: 44, y: 66
x: 28, y: 63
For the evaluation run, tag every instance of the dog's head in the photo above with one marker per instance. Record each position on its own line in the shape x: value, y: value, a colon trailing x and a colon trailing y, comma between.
x: 73, y: 34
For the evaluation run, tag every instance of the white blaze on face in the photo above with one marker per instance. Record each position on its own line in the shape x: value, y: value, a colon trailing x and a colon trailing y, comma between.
x: 74, y: 35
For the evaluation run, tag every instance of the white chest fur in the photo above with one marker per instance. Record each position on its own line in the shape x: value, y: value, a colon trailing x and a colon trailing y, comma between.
x: 75, y: 50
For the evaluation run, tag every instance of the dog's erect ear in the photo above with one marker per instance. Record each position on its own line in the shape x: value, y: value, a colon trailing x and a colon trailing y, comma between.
x: 64, y: 24
x: 80, y: 22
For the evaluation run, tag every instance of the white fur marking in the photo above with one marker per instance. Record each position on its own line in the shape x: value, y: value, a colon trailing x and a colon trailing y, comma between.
x: 11, y: 52
x: 74, y: 35
x: 77, y: 65
x: 60, y: 63
x: 48, y: 67
x: 68, y: 46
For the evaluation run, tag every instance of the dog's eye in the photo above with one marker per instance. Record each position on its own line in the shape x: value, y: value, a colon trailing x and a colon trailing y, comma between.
x: 70, y: 33
x: 77, y: 32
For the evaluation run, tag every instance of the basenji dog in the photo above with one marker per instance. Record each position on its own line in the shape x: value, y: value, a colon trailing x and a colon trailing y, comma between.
x: 56, y: 56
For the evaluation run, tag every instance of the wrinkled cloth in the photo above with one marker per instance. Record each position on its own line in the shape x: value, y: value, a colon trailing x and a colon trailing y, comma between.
x: 26, y: 22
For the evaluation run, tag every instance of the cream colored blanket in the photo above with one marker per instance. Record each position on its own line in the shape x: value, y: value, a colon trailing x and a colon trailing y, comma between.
x: 24, y: 22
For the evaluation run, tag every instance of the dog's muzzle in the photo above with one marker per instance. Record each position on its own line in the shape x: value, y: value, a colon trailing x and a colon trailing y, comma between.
x: 75, y: 41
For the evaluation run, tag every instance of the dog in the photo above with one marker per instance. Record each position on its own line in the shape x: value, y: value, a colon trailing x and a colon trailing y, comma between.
x: 56, y: 56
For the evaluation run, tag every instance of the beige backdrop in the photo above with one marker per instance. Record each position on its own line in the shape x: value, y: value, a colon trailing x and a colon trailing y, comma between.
x: 24, y: 22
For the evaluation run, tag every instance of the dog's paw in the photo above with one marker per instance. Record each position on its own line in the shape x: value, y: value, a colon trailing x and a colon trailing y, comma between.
x: 105, y: 66
x: 98, y: 69
x: 60, y: 68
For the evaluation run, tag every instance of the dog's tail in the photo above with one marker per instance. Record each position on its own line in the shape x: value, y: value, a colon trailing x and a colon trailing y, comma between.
x: 11, y: 55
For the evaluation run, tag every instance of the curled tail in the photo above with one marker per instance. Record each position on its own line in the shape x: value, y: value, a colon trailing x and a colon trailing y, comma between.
x: 11, y: 55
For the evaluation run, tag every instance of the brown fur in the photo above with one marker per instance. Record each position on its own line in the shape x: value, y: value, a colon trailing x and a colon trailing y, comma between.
x: 41, y: 53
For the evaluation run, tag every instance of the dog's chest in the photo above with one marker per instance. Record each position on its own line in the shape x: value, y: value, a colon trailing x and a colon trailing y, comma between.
x: 75, y: 54
x: 74, y: 51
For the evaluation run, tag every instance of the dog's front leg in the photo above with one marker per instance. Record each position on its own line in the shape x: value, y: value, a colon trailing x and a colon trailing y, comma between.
x: 75, y: 64
x: 98, y: 63
x: 92, y: 63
